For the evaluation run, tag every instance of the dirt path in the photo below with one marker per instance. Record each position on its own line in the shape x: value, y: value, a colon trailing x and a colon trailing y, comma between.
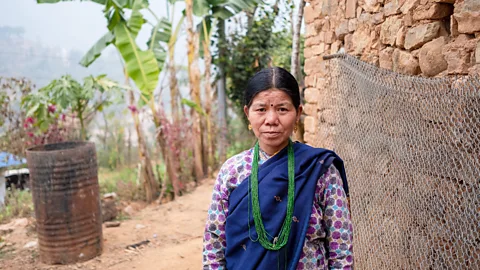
x: 175, y: 232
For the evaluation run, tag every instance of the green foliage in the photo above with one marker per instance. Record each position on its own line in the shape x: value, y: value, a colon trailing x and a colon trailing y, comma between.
x: 239, y: 137
x: 260, y: 47
x: 66, y: 95
x: 97, y: 49
x: 18, y: 203
x: 13, y: 132
x: 161, y: 34
x: 143, y: 67
x: 248, y: 54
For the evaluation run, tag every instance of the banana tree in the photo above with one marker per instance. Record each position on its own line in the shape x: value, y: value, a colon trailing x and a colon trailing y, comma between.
x: 217, y: 11
x: 142, y: 66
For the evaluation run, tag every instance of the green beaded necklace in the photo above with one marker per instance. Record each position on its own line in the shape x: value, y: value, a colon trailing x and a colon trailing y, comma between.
x: 282, y: 238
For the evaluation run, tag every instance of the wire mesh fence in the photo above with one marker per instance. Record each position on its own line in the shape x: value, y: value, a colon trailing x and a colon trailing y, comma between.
x: 411, y: 148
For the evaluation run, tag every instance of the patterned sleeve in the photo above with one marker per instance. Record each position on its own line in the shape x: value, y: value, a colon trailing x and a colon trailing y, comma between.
x: 214, y: 242
x: 337, y: 221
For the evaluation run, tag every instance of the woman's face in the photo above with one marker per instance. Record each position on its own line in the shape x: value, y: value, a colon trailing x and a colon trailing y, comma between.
x: 273, y: 118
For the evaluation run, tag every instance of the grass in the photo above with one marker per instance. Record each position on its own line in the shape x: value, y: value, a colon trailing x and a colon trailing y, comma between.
x: 18, y: 204
x: 122, y: 181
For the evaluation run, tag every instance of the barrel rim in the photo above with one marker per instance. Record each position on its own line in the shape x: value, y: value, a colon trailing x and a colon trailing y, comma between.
x: 54, y: 147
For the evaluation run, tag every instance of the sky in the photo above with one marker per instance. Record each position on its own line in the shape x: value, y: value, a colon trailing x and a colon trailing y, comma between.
x: 71, y: 25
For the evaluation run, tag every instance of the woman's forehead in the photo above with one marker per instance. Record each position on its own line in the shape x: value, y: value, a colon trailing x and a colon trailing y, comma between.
x: 272, y: 96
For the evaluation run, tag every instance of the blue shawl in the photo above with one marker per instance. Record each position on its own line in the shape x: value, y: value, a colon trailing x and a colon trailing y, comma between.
x: 310, y: 164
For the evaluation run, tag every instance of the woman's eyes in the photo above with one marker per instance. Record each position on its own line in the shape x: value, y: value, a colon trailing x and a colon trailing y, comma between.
x: 279, y: 109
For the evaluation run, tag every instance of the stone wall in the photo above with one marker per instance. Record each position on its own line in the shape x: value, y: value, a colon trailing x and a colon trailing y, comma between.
x: 414, y: 37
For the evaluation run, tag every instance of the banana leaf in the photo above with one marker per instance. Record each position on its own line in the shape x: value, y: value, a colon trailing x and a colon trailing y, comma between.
x: 141, y: 65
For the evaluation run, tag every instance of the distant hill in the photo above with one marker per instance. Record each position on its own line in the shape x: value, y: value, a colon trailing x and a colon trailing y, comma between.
x: 20, y: 57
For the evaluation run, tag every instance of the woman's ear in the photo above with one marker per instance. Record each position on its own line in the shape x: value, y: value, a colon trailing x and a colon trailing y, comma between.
x: 299, y: 112
x: 245, y: 110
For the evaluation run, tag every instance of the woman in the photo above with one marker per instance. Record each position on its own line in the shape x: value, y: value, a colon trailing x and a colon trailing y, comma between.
x: 278, y: 205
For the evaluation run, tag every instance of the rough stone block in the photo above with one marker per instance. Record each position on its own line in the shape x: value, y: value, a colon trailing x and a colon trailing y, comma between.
x: 342, y: 30
x: 467, y: 14
x: 405, y: 63
x: 310, y: 30
x: 431, y: 59
x: 335, y: 47
x: 400, y: 40
x: 371, y: 6
x: 361, y: 39
x: 445, y: 1
x: 312, y: 95
x: 310, y: 109
x: 421, y: 34
x: 329, y: 37
x: 392, y: 8
x: 350, y: 9
x: 365, y: 18
x: 385, y: 58
x: 314, y: 65
x: 359, y: 11
x: 309, y: 138
x: 408, y: 19
x: 310, y: 80
x: 318, y: 49
x: 453, y: 26
x: 310, y: 41
x: 308, y: 52
x: 458, y: 54
x: 409, y: 6
x: 477, y: 53
x: 349, y: 43
x: 326, y: 25
x: 329, y: 7
x: 352, y: 25
x: 310, y: 124
x: 309, y: 14
x: 389, y: 30
x: 434, y: 11
x: 378, y: 18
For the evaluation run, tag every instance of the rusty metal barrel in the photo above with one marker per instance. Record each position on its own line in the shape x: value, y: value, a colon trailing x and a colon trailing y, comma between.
x: 64, y: 184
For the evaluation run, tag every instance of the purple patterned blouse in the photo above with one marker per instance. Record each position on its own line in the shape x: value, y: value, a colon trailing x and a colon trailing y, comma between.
x: 328, y: 243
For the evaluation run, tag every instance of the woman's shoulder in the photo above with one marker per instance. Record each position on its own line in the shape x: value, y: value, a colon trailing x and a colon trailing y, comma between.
x: 244, y: 156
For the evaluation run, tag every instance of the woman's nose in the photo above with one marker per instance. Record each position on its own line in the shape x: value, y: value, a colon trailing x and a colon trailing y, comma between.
x: 271, y: 117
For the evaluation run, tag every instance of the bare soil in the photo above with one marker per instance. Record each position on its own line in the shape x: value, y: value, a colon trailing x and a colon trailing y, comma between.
x: 174, y: 229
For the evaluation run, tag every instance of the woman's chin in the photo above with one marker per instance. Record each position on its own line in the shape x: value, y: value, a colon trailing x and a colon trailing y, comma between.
x: 273, y: 141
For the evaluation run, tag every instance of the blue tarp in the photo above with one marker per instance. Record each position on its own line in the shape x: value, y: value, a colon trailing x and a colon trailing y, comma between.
x: 7, y: 160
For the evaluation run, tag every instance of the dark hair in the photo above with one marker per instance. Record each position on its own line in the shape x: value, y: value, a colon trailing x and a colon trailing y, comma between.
x: 274, y: 77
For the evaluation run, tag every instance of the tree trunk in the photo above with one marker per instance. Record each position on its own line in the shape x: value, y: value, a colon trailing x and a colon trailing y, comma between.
x: 221, y: 95
x: 173, y: 86
x: 149, y: 183
x: 295, y: 69
x: 129, y: 146
x: 208, y: 106
x: 169, y: 157
x: 194, y: 81
x: 292, y: 20
x: 105, y: 134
